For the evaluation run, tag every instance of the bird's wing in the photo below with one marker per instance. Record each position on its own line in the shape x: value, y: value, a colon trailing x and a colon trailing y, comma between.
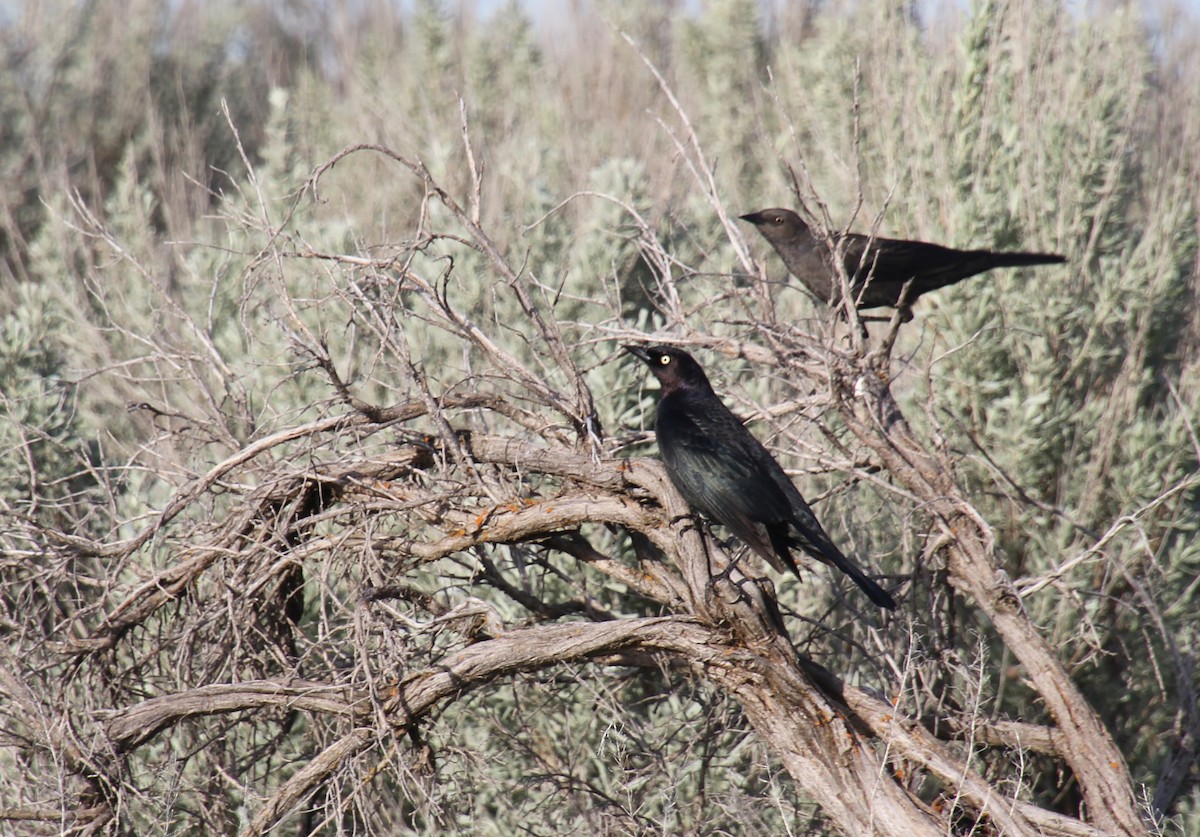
x: 725, y: 473
x: 896, y: 259
x: 721, y: 468
x: 735, y: 479
x: 806, y: 531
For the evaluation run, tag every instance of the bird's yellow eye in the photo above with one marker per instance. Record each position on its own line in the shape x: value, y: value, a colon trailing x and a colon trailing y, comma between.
x: 778, y: 219
x: 664, y: 360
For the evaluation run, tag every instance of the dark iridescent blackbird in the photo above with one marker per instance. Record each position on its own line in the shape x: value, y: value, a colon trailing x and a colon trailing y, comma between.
x: 877, y: 275
x: 727, y: 475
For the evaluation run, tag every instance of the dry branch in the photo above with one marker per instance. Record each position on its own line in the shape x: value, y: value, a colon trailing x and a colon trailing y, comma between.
x: 872, y: 414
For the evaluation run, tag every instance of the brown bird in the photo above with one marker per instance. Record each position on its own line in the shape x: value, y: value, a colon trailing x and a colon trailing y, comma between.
x: 877, y: 268
x: 728, y: 476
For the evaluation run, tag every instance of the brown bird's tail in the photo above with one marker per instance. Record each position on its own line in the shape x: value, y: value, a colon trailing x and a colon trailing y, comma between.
x: 946, y: 267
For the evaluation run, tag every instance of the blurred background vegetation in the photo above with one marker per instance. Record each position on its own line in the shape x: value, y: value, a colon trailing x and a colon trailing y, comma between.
x: 149, y: 150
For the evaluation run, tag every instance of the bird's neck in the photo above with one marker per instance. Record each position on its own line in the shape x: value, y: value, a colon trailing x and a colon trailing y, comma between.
x: 684, y: 390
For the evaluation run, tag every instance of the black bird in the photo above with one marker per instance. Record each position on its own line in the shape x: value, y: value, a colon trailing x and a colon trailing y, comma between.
x: 727, y: 475
x: 877, y: 269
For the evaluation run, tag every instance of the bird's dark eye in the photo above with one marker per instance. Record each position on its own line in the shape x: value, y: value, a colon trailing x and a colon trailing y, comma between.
x: 778, y: 219
x: 664, y: 360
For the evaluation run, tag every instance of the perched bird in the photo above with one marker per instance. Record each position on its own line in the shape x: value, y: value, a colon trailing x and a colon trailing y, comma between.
x: 877, y: 269
x: 728, y: 476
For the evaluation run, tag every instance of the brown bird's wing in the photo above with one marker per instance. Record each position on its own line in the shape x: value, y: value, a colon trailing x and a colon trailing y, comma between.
x: 890, y: 262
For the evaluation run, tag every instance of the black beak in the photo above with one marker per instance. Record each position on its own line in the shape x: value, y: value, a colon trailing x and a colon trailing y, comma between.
x: 638, y: 352
x: 753, y: 217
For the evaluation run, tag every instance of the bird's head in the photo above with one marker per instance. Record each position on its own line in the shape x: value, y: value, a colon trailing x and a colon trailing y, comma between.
x: 674, y: 368
x: 777, y: 224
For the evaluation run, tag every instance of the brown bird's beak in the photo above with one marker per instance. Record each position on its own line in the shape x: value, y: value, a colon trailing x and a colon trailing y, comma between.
x: 638, y: 352
x: 753, y: 217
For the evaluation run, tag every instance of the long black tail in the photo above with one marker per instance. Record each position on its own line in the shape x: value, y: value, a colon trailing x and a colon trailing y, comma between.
x: 956, y: 265
x: 874, y: 592
x: 1023, y: 259
x: 829, y: 554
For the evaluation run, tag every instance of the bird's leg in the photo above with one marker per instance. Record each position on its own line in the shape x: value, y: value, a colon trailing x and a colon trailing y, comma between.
x: 863, y: 319
x: 756, y: 593
x: 903, y: 306
x: 706, y: 536
x: 862, y: 327
x: 699, y: 525
x: 901, y: 315
x: 735, y: 557
x: 690, y: 518
x: 724, y: 574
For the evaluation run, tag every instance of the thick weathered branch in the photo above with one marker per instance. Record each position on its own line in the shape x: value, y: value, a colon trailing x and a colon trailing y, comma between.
x: 876, y: 419
x: 819, y: 746
x: 134, y: 726
x: 529, y: 649
x: 909, y: 741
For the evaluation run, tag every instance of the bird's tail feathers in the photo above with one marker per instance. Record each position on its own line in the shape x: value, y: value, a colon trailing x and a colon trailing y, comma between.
x: 776, y: 553
x: 833, y: 556
x: 874, y: 592
x: 1024, y: 259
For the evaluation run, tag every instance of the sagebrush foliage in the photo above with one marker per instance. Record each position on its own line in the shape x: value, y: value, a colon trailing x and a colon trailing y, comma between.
x: 149, y: 332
